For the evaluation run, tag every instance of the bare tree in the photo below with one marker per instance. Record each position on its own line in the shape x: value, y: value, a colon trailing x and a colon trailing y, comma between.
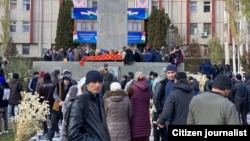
x: 5, y: 22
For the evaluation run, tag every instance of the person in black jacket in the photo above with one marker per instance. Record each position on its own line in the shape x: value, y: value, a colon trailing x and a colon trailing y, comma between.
x: 175, y: 110
x: 46, y: 91
x: 240, y: 95
x: 4, y: 99
x: 208, y: 83
x: 162, y: 91
x: 87, y: 118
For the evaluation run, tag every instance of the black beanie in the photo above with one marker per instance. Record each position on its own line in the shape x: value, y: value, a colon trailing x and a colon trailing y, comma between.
x: 15, y: 75
x: 93, y: 76
x: 222, y: 81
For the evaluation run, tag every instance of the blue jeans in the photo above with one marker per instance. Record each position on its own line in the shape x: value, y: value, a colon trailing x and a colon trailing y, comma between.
x: 12, y: 109
x: 55, y: 118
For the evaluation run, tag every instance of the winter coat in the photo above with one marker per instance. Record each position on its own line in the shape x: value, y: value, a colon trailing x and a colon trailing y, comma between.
x: 175, y: 109
x: 212, y: 108
x: 15, y: 89
x: 72, y: 94
x: 140, y: 122
x: 240, y: 92
x: 208, y: 85
x: 159, y: 95
x: 46, y: 90
x: 3, y: 102
x: 90, y: 127
x: 118, y: 111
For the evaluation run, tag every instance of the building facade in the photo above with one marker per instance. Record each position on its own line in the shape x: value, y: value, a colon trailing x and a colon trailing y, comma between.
x: 33, y: 22
x: 33, y: 25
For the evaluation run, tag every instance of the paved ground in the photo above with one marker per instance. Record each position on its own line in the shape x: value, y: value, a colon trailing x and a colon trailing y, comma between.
x: 37, y: 137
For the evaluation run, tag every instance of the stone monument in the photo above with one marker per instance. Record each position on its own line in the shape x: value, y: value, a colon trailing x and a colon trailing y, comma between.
x: 112, y: 24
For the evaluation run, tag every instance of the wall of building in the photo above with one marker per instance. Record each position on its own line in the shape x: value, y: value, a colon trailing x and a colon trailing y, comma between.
x: 116, y: 67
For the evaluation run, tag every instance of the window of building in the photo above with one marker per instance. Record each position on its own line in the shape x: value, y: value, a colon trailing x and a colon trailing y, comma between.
x: 206, y: 6
x: 26, y: 49
x: 237, y: 25
x: 26, y: 5
x: 134, y: 25
x: 94, y: 4
x: 193, y: 28
x: 237, y: 5
x: 26, y: 26
x: 207, y: 28
x: 193, y: 6
x: 155, y: 4
x: 89, y: 3
x: 13, y: 4
x: 83, y: 25
x: 12, y: 26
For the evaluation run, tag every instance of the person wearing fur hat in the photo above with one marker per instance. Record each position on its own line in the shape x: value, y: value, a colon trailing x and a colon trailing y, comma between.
x: 15, y: 94
x: 118, y: 112
x: 213, y: 107
x: 87, y: 117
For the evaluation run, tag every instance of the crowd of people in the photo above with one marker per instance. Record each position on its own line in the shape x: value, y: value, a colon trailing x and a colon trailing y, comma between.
x: 108, y: 109
x: 129, y: 54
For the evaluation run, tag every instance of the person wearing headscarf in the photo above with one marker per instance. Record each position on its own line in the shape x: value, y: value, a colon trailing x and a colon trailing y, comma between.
x: 140, y: 100
x: 118, y: 111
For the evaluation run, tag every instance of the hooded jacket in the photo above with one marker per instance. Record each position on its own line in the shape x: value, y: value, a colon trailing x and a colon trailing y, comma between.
x: 175, y: 109
x: 140, y: 122
x: 118, y: 111
x: 72, y: 94
x: 15, y: 89
x: 61, y: 87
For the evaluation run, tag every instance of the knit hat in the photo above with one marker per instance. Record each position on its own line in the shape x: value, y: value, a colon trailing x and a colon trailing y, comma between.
x: 93, y: 76
x: 171, y: 67
x: 15, y: 75
x: 114, y: 86
x: 238, y: 77
x: 2, y: 80
x: 222, y: 81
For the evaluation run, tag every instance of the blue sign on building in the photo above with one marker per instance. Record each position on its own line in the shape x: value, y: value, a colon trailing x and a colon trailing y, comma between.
x: 91, y: 13
x: 91, y: 37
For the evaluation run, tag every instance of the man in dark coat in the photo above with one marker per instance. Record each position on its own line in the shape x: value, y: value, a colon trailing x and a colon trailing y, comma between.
x: 175, y: 109
x: 87, y: 118
x: 162, y: 91
x: 240, y: 95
